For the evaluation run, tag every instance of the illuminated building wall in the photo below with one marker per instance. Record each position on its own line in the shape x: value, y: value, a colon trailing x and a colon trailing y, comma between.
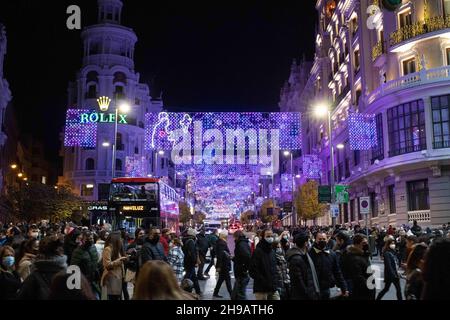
x: 401, y: 78
x: 107, y: 70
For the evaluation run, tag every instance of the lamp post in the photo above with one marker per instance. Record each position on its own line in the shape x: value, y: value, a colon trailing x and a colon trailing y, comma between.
x: 321, y: 111
x: 124, y: 108
x: 294, y: 213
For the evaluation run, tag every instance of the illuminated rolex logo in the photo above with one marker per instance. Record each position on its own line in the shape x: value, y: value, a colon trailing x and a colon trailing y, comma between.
x: 103, y: 103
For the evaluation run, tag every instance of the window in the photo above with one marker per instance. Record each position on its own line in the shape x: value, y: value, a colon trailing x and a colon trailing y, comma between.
x: 357, y: 60
x: 406, y: 124
x: 136, y: 150
x: 354, y: 25
x: 448, y: 56
x: 359, y: 210
x: 356, y: 157
x: 345, y: 212
x: 418, y: 195
x: 446, y: 6
x: 409, y: 66
x: 118, y: 165
x: 378, y: 150
x: 441, y: 126
x: 103, y: 192
x: 374, y: 204
x: 92, y: 91
x: 405, y: 19
x: 87, y: 190
x: 358, y: 94
x: 120, y: 145
x: 347, y: 168
x: 391, y: 197
x: 119, y: 92
x: 90, y: 164
x: 352, y: 210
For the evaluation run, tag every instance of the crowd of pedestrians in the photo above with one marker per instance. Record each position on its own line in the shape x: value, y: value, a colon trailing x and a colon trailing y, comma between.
x: 302, y: 263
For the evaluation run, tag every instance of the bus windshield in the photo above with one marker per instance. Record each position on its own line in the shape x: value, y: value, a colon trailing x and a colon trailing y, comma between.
x: 134, y: 192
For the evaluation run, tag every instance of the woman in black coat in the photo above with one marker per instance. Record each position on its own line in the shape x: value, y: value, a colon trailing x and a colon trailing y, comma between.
x: 9, y: 279
x: 223, y: 265
x: 391, y: 275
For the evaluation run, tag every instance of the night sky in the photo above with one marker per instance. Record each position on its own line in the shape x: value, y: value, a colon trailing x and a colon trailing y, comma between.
x: 221, y: 56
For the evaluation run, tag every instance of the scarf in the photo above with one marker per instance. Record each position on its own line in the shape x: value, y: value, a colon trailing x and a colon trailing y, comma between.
x: 314, y: 274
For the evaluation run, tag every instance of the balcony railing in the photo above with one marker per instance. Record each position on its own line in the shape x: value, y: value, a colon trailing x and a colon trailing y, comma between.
x: 419, y: 216
x: 378, y: 50
x: 419, y: 28
x: 411, y: 80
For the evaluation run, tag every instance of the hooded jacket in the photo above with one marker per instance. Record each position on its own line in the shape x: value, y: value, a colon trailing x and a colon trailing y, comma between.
x: 263, y: 268
x: 37, y: 285
x: 355, y: 264
x: 223, y: 257
x: 300, y: 272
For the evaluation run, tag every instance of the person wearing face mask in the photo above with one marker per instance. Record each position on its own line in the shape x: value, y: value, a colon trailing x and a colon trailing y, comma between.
x: 27, y: 255
x: 134, y: 251
x: 263, y: 268
x: 152, y: 248
x: 391, y: 275
x: 33, y: 232
x: 355, y: 262
x: 9, y: 279
x: 327, y: 267
x: 285, y: 244
x: 86, y: 257
x: 72, y: 234
x: 49, y: 262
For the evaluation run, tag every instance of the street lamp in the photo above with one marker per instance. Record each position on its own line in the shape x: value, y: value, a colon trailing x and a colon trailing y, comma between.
x: 321, y: 111
x: 340, y: 146
x: 294, y: 213
x: 106, y: 144
x: 124, y: 108
x: 20, y: 175
x: 14, y: 166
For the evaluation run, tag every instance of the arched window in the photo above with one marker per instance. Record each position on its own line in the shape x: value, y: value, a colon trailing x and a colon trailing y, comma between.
x: 92, y: 76
x: 120, y: 77
x: 118, y: 165
x: 90, y: 164
x: 120, y: 145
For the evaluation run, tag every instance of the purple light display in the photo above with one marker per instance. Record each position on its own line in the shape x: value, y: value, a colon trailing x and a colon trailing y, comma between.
x: 362, y: 131
x: 79, y: 134
x: 135, y: 166
x: 164, y: 129
x: 286, y: 182
x: 312, y: 166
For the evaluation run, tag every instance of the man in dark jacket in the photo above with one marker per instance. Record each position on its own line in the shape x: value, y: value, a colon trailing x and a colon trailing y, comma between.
x: 355, y: 266
x: 70, y: 240
x: 203, y: 246
x: 152, y: 248
x: 223, y: 265
x: 302, y: 272
x: 190, y: 251
x: 241, y: 260
x: 327, y: 267
x: 86, y: 257
x: 263, y: 268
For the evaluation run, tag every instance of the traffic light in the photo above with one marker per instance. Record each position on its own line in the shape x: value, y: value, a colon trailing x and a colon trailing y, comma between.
x: 392, y: 5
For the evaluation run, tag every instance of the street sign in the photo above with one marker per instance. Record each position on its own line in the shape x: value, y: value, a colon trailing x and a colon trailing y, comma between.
x: 324, y: 194
x: 334, y: 208
x: 341, y: 194
x: 364, y: 205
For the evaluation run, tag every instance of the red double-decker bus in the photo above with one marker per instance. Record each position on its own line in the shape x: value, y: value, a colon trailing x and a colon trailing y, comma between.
x: 143, y: 202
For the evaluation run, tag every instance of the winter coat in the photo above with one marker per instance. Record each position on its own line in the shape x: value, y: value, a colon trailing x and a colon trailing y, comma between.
x: 152, y: 251
x: 9, y: 284
x: 212, y: 239
x: 414, y: 285
x: 190, y: 253
x: 176, y: 261
x: 327, y: 268
x: 24, y: 267
x: 223, y: 257
x: 263, y: 268
x: 355, y: 264
x: 282, y: 275
x: 87, y: 260
x: 113, y: 273
x: 242, y: 257
x: 165, y: 244
x: 70, y: 243
x: 300, y: 274
x: 37, y: 285
x: 390, y: 266
x: 100, y: 245
x: 202, y: 244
